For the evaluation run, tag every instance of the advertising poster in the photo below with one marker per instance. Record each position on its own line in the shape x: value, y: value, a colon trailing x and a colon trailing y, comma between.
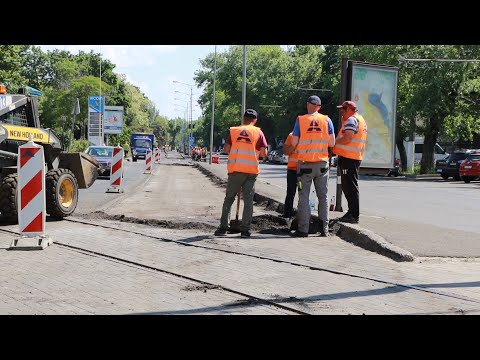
x: 374, y: 90
x: 113, y: 120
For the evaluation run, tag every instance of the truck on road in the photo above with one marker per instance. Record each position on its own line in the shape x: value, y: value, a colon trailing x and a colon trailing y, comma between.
x: 140, y: 143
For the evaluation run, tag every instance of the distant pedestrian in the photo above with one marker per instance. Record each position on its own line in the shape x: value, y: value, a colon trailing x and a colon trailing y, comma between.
x: 350, y: 146
x: 313, y: 134
x: 291, y: 176
x: 242, y: 147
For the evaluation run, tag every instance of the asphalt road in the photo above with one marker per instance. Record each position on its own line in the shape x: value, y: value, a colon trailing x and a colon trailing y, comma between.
x: 96, y: 198
x: 446, y: 204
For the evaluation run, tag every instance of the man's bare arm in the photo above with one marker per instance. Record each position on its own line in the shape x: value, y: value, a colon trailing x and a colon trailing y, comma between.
x: 263, y: 152
x: 346, y: 138
x: 227, y: 148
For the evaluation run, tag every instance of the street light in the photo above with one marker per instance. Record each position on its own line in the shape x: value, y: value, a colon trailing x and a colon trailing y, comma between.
x: 244, y: 82
x: 191, y: 105
x: 213, y: 105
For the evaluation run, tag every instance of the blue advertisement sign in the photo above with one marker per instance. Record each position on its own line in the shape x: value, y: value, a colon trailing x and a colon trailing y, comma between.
x: 96, y: 104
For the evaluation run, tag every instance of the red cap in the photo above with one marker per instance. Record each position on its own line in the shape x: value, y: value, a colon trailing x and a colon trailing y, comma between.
x: 348, y: 104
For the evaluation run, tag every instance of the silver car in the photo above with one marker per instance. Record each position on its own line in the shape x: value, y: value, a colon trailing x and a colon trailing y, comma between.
x: 103, y: 154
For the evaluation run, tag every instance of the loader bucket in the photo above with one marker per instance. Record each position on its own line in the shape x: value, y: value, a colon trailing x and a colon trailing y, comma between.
x: 83, y: 166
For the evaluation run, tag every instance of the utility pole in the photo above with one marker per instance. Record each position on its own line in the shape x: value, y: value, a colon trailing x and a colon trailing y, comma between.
x: 244, y: 81
x: 213, y: 105
x: 343, y: 97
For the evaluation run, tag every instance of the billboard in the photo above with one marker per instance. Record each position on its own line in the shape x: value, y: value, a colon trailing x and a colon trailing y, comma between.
x: 374, y: 90
x: 113, y: 120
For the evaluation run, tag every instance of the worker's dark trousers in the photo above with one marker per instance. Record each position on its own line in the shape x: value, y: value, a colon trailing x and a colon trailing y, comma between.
x: 291, y: 191
x: 349, y: 168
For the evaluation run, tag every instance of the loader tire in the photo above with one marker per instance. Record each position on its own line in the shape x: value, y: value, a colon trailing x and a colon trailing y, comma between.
x: 61, y: 193
x: 8, y: 198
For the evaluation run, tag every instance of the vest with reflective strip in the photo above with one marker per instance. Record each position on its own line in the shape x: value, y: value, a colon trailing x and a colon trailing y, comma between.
x: 355, y: 148
x: 313, y: 143
x: 243, y: 156
x: 293, y: 157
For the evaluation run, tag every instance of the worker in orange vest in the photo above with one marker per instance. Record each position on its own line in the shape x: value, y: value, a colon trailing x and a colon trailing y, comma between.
x: 313, y: 134
x: 242, y: 147
x: 291, y: 176
x: 350, y: 147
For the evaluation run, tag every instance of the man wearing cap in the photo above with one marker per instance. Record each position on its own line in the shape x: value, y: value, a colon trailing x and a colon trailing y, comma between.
x: 313, y: 134
x: 243, y: 146
x: 350, y: 146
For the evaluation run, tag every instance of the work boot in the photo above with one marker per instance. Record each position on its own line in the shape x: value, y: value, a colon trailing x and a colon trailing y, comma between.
x: 324, y: 232
x: 299, y: 233
x: 220, y: 232
x: 349, y: 218
x: 245, y: 234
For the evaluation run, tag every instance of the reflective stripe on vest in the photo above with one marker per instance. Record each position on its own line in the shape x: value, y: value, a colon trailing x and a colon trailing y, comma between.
x: 313, y: 142
x: 356, y: 147
x: 243, y: 156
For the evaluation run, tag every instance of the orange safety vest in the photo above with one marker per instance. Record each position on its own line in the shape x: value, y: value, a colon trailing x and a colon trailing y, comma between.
x: 293, y: 157
x: 243, y: 156
x: 313, y: 143
x: 355, y: 148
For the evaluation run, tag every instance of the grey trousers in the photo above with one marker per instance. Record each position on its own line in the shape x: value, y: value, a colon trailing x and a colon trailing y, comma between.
x: 317, y: 172
x: 237, y: 181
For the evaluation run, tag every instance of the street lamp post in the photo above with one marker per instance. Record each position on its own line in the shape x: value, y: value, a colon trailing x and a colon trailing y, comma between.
x: 185, y: 133
x: 244, y: 82
x: 191, y: 106
x: 213, y: 104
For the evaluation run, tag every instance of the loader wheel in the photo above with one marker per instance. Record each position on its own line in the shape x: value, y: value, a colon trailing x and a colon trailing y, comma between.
x: 61, y: 193
x: 8, y: 198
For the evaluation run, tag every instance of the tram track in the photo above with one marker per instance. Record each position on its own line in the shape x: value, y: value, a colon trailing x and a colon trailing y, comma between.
x: 252, y: 299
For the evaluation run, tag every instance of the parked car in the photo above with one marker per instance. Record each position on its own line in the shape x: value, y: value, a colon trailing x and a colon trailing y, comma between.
x: 280, y: 157
x: 470, y: 167
x: 271, y: 155
x: 334, y: 160
x: 103, y: 154
x: 440, y: 165
x: 450, y: 167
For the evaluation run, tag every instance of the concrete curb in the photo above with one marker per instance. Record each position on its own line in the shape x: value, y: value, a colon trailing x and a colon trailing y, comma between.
x: 368, y: 240
x: 352, y: 233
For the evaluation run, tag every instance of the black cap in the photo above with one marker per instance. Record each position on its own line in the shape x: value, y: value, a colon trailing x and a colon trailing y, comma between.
x: 250, y: 113
x: 314, y: 100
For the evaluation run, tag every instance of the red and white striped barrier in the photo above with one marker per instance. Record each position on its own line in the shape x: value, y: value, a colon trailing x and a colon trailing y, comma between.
x: 148, y: 162
x: 116, y: 171
x: 157, y: 156
x: 31, y: 197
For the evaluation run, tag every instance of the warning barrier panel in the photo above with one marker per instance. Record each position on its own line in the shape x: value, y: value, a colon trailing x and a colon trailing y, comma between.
x: 31, y: 197
x: 116, y: 171
x: 148, y: 162
x: 157, y: 156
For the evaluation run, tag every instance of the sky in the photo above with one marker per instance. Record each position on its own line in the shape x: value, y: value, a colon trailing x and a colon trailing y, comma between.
x: 153, y: 68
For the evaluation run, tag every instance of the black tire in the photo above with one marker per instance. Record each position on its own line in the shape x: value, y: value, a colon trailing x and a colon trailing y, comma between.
x: 444, y: 177
x: 61, y: 188
x: 134, y: 159
x: 467, y: 179
x: 8, y: 198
